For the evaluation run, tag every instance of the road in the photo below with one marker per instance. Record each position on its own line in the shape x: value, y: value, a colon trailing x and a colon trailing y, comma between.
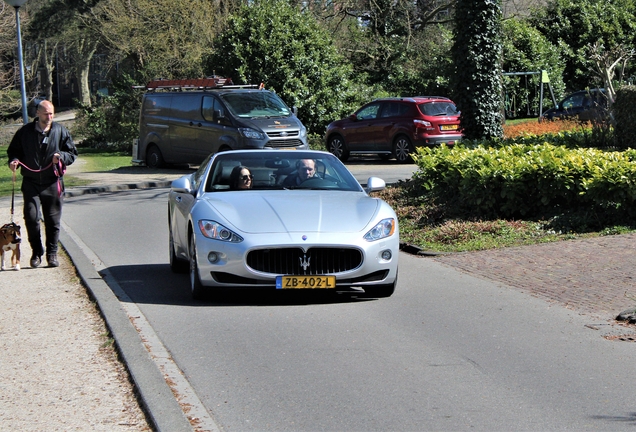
x: 446, y: 352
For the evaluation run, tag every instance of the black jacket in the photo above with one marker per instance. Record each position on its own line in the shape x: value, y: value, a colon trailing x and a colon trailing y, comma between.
x: 26, y: 148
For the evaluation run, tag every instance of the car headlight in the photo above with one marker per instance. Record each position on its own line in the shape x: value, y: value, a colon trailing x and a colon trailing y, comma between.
x: 251, y: 133
x: 303, y: 132
x: 216, y: 231
x: 384, y: 228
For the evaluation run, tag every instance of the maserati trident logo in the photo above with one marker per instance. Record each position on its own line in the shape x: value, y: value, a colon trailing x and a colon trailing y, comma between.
x: 304, y: 262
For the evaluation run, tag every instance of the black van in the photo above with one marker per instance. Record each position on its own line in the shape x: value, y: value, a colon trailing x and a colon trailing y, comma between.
x: 582, y: 105
x: 184, y: 127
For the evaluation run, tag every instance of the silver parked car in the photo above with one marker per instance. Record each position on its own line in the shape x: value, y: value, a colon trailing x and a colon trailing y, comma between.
x: 281, y: 219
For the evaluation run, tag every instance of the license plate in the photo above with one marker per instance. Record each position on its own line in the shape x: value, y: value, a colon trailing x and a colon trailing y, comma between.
x: 448, y: 127
x: 305, y: 282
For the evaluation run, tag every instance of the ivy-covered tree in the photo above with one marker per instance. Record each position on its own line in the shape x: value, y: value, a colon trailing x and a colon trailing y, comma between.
x: 477, y: 54
x: 273, y: 42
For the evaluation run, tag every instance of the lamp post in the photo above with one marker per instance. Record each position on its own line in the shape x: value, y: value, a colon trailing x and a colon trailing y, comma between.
x: 16, y: 4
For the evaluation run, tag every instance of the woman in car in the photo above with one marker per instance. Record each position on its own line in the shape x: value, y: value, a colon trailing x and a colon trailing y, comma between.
x: 240, y: 178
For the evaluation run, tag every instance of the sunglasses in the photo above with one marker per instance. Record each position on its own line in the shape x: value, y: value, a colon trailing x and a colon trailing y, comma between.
x: 247, y: 177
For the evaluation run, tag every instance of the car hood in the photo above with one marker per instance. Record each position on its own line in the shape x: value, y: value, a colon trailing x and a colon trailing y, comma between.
x: 292, y: 211
x: 267, y: 124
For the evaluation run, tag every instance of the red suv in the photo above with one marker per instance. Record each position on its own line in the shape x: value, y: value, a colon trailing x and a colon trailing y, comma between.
x: 393, y: 127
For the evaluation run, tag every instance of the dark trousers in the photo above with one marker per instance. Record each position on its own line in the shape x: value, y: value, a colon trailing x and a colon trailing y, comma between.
x: 42, y: 201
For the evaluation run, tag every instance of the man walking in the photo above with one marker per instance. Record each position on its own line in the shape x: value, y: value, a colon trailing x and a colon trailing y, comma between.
x: 44, y: 148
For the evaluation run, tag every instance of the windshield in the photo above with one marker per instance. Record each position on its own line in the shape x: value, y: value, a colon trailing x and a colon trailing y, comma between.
x: 256, y: 104
x: 260, y: 171
x: 438, y: 109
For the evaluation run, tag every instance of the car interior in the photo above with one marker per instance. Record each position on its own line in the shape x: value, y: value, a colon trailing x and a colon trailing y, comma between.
x: 269, y: 173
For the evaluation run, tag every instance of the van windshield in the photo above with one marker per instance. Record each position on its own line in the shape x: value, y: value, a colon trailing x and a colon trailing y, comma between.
x: 256, y: 104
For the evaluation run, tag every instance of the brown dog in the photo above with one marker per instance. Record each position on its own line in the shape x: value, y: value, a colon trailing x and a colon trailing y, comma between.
x: 10, y: 241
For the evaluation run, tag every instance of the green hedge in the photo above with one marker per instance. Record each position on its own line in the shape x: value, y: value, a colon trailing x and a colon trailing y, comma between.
x: 625, y: 116
x: 529, y: 179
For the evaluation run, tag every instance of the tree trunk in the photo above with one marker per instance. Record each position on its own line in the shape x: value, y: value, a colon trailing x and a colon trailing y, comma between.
x: 47, y: 63
x: 85, y: 51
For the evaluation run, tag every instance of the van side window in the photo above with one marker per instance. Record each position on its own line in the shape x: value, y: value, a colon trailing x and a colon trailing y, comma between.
x: 209, y: 107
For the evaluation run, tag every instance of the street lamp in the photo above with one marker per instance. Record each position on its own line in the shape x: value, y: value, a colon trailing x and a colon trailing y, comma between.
x: 16, y: 4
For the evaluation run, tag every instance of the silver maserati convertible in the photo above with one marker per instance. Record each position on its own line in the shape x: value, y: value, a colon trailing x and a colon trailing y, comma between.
x: 281, y: 219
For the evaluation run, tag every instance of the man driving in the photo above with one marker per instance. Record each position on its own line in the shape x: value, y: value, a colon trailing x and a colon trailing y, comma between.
x: 305, y: 169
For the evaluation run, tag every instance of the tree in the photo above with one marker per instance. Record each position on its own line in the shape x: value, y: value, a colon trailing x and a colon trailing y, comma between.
x: 400, y: 45
x: 10, y: 95
x: 160, y: 38
x: 69, y: 24
x: 525, y: 49
x: 575, y: 26
x: 605, y: 63
x: 477, y: 58
x: 272, y: 42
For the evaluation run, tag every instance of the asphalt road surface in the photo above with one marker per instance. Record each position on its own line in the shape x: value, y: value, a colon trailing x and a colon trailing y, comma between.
x: 446, y: 352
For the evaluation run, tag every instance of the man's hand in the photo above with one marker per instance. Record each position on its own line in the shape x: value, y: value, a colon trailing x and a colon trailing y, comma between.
x: 56, y: 158
x: 13, y: 165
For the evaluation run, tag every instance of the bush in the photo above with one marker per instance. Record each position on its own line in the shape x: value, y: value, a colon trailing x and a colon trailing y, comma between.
x: 113, y: 122
x: 625, y: 117
x: 529, y: 180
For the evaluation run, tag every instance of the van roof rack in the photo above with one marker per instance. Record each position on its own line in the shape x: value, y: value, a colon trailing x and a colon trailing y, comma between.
x: 213, y: 82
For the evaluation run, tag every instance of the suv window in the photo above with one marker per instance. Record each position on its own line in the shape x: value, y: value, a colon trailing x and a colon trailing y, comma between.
x: 438, y: 108
x: 368, y: 112
x: 394, y: 109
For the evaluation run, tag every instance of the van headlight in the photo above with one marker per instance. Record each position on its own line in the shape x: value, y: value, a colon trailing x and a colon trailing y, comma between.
x: 384, y: 228
x: 303, y: 132
x: 251, y: 133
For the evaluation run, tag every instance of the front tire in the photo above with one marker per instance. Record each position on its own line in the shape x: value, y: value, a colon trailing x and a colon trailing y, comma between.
x: 177, y: 265
x: 338, y: 148
x: 403, y: 149
x: 196, y: 286
x: 380, y: 291
x: 154, y: 158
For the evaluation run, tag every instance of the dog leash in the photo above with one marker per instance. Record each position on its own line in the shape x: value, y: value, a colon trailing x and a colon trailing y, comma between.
x: 13, y: 196
x: 58, y: 169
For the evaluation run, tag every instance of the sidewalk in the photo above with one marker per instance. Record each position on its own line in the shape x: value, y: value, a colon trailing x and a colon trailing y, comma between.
x: 58, y: 368
x: 59, y: 371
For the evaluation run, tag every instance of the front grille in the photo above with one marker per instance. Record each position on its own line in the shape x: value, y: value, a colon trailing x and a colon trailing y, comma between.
x: 284, y: 143
x: 278, y: 134
x: 294, y: 261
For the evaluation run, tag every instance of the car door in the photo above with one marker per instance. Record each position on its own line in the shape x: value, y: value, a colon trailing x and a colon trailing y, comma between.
x: 185, y: 127
x: 360, y: 132
x: 214, y: 125
x: 389, y: 123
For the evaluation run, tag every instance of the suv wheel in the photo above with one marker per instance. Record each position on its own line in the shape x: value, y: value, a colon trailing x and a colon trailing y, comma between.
x: 402, y: 149
x: 338, y: 148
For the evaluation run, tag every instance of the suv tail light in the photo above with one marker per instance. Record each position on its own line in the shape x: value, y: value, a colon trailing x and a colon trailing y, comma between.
x: 422, y: 124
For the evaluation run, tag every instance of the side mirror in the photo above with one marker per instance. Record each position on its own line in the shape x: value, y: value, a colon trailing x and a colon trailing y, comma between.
x: 375, y: 184
x: 295, y: 110
x: 182, y: 185
x: 218, y: 114
x: 353, y: 117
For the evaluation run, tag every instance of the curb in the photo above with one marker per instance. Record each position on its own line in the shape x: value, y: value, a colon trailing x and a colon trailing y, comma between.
x: 159, y: 401
x: 79, y: 191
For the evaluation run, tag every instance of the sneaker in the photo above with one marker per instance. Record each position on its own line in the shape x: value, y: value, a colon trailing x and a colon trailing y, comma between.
x: 52, y: 260
x: 36, y: 260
